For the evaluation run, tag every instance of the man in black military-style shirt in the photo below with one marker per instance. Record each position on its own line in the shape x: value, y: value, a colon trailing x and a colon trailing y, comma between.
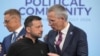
x: 30, y: 45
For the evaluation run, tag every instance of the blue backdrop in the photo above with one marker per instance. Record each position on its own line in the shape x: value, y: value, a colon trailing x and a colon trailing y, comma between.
x: 82, y: 13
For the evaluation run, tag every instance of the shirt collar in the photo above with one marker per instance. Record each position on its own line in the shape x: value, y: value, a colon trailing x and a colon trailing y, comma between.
x: 65, y: 30
x: 19, y: 29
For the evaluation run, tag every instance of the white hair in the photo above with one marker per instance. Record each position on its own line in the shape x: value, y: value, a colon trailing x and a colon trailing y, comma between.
x: 59, y: 10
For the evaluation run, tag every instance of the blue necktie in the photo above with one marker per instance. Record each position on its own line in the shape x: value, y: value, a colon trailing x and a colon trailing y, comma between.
x: 14, y: 37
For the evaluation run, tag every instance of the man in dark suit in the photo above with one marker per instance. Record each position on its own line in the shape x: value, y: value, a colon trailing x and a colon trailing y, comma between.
x: 12, y: 21
x: 65, y: 39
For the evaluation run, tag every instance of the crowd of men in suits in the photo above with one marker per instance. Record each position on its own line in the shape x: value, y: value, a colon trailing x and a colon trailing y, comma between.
x: 64, y: 39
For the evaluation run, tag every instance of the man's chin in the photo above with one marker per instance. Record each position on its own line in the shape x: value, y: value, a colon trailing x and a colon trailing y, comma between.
x: 9, y: 30
x: 39, y: 36
x: 54, y: 29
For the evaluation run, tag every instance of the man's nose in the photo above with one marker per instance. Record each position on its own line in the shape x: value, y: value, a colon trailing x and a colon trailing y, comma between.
x: 41, y: 28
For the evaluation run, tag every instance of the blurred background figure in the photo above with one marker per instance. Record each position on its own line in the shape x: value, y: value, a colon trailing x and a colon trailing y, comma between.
x: 12, y: 21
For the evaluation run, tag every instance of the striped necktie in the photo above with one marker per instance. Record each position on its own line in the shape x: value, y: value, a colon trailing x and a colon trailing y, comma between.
x: 58, y: 42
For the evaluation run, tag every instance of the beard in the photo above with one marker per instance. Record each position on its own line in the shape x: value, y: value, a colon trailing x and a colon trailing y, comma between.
x: 35, y: 36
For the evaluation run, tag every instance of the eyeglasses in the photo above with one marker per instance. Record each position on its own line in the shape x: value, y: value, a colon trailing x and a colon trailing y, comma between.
x: 7, y: 21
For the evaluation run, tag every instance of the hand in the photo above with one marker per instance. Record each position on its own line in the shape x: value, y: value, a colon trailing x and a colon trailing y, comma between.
x: 53, y: 54
x: 4, y: 55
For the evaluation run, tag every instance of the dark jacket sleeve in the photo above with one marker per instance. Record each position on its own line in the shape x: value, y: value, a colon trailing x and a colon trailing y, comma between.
x: 82, y: 49
x: 12, y: 51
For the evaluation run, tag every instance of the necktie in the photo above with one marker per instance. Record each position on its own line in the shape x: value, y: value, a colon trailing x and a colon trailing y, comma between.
x: 14, y: 37
x: 57, y: 44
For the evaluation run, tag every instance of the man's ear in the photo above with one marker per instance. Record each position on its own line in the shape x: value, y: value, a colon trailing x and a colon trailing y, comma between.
x: 28, y: 29
x: 62, y: 18
x: 15, y: 19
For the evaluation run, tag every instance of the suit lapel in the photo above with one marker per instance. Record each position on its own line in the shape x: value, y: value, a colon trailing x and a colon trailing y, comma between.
x: 22, y: 32
x: 52, y: 38
x: 7, y: 42
x: 68, y: 37
x: 9, y: 39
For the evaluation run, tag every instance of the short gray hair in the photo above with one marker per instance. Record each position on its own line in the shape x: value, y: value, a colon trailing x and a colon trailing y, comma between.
x: 13, y: 12
x: 59, y: 10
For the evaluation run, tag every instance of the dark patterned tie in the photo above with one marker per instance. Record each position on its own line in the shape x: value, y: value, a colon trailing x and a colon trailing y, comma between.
x: 57, y: 44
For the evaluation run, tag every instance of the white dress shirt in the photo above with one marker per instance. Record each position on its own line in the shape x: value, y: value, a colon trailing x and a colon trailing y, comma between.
x: 17, y: 32
x: 64, y: 33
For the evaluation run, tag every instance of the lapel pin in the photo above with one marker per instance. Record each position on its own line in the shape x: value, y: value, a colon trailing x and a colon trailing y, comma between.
x: 71, y: 33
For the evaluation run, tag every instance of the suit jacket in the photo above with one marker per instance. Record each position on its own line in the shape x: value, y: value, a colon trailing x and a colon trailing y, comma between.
x: 75, y: 42
x: 7, y: 42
